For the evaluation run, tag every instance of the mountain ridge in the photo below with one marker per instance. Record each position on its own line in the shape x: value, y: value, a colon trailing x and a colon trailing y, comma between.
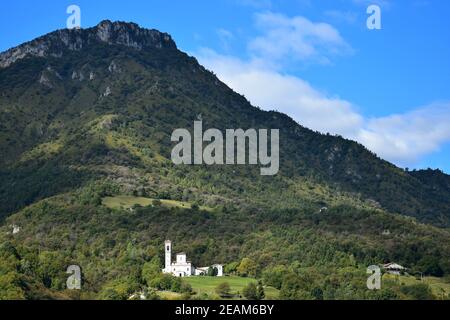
x: 113, y: 74
x: 120, y: 33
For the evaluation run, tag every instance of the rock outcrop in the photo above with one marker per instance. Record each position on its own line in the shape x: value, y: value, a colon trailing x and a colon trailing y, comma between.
x: 113, y: 33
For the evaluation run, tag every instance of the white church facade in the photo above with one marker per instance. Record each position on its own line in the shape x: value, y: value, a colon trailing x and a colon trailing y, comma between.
x: 182, y: 267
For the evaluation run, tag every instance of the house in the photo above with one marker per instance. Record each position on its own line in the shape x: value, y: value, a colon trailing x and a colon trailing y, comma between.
x: 182, y: 267
x: 394, y: 268
x: 323, y: 209
x: 203, y: 271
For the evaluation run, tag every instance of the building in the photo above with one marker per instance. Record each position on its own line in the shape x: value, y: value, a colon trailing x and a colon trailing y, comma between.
x: 182, y: 267
x: 203, y: 271
x: 394, y: 268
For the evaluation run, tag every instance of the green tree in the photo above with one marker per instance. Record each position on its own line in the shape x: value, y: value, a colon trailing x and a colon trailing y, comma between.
x: 213, y: 272
x: 247, y: 268
x: 120, y: 289
x: 151, y: 270
x: 295, y: 287
x: 317, y: 293
x: 163, y: 282
x: 11, y: 287
x: 418, y: 292
x: 274, y: 276
x: 260, y: 291
x: 231, y: 267
x: 223, y: 290
x: 250, y: 292
x: 431, y: 266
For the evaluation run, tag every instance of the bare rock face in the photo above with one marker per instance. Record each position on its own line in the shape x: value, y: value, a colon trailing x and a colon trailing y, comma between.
x: 44, y: 80
x: 114, y: 68
x: 112, y: 33
x: 107, y: 92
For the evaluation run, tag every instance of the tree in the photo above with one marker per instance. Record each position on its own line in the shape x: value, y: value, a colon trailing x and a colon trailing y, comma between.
x: 247, y: 268
x: 250, y: 292
x: 213, y: 272
x: 151, y: 270
x: 231, y: 268
x: 223, y: 290
x: 260, y: 291
x: 431, y: 266
x: 119, y: 289
x: 274, y: 276
x: 186, y: 289
x: 156, y: 203
x: 162, y: 282
x: 418, y: 292
x: 10, y: 287
x: 295, y: 287
x: 317, y: 293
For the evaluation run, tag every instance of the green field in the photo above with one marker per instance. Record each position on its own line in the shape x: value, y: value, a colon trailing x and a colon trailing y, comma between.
x: 438, y: 286
x: 208, y: 285
x: 127, y: 202
x: 168, y: 295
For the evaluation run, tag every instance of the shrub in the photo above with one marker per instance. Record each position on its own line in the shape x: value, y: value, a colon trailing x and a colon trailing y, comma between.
x: 250, y: 291
x: 223, y: 290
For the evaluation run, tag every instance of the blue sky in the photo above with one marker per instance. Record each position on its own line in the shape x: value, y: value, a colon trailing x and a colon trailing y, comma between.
x: 314, y: 60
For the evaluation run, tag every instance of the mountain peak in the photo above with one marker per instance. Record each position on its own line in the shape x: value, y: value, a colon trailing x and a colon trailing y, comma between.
x: 113, y: 33
x: 131, y: 35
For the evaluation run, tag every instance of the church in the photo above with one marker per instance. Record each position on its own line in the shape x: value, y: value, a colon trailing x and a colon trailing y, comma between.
x: 182, y: 267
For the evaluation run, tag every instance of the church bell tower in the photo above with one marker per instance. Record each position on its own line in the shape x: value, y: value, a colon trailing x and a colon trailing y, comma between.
x: 168, y: 253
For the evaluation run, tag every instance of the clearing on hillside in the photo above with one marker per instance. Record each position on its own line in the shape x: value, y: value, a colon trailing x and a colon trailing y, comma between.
x: 127, y: 202
x: 237, y: 284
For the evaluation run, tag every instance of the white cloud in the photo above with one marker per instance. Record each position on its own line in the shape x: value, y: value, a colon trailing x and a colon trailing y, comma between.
x: 405, y: 138
x: 270, y: 89
x: 297, y: 38
x: 225, y: 36
x: 401, y: 138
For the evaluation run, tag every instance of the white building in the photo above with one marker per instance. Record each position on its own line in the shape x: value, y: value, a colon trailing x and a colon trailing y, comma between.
x: 394, y: 268
x: 182, y: 267
x: 204, y: 270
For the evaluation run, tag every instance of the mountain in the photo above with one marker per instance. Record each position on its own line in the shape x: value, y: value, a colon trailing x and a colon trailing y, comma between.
x: 87, y: 114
